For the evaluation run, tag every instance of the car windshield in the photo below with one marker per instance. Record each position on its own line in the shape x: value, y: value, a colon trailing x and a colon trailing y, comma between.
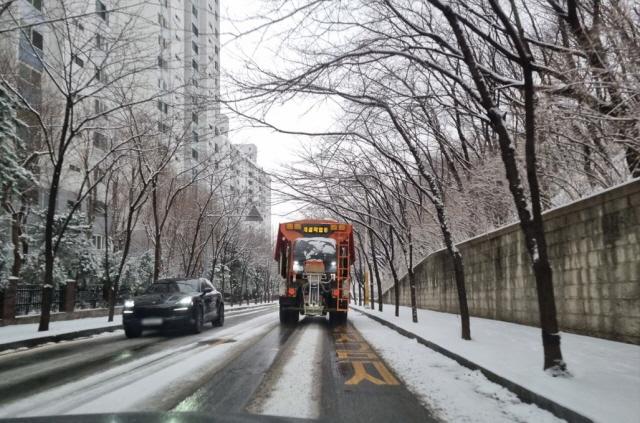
x: 320, y: 210
x: 173, y: 287
x: 316, y: 248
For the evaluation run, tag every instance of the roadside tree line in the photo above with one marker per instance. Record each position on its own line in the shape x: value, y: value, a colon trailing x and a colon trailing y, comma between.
x: 454, y: 118
x: 100, y: 179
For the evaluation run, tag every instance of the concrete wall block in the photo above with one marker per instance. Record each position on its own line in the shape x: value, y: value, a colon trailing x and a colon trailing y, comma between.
x: 595, y: 255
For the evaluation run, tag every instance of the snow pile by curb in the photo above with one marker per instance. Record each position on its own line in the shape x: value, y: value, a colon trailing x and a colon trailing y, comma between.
x: 15, y: 334
x: 452, y: 392
x: 606, y: 375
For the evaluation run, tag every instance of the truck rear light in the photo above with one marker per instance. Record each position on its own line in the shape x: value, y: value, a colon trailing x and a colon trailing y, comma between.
x: 335, y: 293
x: 291, y: 292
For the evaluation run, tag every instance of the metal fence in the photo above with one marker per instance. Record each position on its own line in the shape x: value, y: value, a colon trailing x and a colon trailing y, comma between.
x: 29, y: 299
x: 90, y: 296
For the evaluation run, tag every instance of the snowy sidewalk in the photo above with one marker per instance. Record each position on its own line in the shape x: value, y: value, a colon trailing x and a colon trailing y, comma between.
x: 27, y: 335
x: 605, y: 385
x: 16, y: 336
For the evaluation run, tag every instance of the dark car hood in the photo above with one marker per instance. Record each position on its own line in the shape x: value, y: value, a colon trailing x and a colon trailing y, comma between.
x: 158, y: 299
x: 154, y: 417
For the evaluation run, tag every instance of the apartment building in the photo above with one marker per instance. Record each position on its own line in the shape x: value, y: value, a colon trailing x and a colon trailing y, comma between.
x: 166, y: 52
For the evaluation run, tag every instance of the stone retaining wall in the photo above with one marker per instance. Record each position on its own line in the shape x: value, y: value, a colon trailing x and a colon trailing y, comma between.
x: 594, y: 247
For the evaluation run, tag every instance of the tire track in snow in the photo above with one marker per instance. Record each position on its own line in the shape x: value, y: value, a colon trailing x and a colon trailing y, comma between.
x: 89, y: 395
x: 293, y: 386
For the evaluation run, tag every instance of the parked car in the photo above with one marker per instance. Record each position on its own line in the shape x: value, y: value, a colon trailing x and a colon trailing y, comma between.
x: 174, y: 303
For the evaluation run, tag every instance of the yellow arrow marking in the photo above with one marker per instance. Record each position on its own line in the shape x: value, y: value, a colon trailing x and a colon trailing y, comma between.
x: 360, y: 374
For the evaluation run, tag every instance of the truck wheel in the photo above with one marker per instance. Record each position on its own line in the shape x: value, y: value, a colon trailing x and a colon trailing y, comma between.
x: 337, y: 318
x: 288, y: 317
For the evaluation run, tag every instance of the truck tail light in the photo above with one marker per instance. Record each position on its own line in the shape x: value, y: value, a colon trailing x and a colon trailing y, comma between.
x: 291, y: 292
x: 335, y: 293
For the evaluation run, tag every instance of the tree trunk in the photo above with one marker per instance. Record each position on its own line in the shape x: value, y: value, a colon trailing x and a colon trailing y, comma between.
x: 16, y: 239
x: 157, y: 233
x: 412, y: 285
x: 372, y: 243
x: 49, y: 256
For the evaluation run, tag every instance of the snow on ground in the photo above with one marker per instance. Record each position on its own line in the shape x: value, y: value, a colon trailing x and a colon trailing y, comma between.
x: 13, y: 333
x: 605, y: 382
x: 292, y: 395
x: 145, y: 384
x: 454, y: 393
x: 244, y: 305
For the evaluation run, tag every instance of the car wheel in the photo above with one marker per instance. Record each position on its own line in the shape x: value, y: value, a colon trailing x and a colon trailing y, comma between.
x: 219, y: 321
x: 198, y: 320
x: 132, y: 331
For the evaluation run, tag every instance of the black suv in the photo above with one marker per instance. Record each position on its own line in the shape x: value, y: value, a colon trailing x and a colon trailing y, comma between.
x: 174, y: 303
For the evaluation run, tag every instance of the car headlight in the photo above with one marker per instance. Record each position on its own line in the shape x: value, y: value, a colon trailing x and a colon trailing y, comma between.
x: 186, y: 301
x: 129, y: 304
x: 297, y: 267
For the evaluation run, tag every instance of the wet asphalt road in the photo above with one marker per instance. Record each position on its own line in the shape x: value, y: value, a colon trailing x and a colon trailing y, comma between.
x: 355, y: 385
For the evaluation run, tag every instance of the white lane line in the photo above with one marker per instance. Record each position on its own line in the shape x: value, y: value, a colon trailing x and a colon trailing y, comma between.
x: 129, y: 386
x: 296, y: 389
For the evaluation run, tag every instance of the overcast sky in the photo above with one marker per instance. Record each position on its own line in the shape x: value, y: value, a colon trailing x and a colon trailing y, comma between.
x: 274, y: 149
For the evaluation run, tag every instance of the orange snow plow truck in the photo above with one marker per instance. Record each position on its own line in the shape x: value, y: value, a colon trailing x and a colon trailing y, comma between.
x: 314, y: 258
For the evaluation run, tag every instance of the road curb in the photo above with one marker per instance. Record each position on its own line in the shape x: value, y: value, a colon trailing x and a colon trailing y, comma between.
x: 520, y: 391
x: 57, y: 338
x: 229, y: 310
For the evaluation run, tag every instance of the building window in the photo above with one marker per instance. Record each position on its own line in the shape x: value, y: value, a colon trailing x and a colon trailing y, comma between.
x: 74, y: 168
x: 194, y: 65
x: 162, y: 127
x: 194, y: 10
x: 216, y: 148
x: 194, y: 45
x: 37, y: 40
x: 194, y: 29
x: 194, y: 154
x: 195, y: 136
x: 98, y: 242
x: 194, y: 117
x: 162, y: 21
x: 163, y: 107
x: 101, y: 44
x: 216, y: 66
x: 36, y: 3
x: 78, y: 61
x: 162, y: 64
x: 99, y: 140
x: 101, y: 9
x: 101, y: 75
x: 98, y: 174
x: 99, y: 106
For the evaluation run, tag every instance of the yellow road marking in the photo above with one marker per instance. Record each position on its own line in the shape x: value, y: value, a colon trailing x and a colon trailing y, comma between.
x: 353, y: 349
x: 361, y: 374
